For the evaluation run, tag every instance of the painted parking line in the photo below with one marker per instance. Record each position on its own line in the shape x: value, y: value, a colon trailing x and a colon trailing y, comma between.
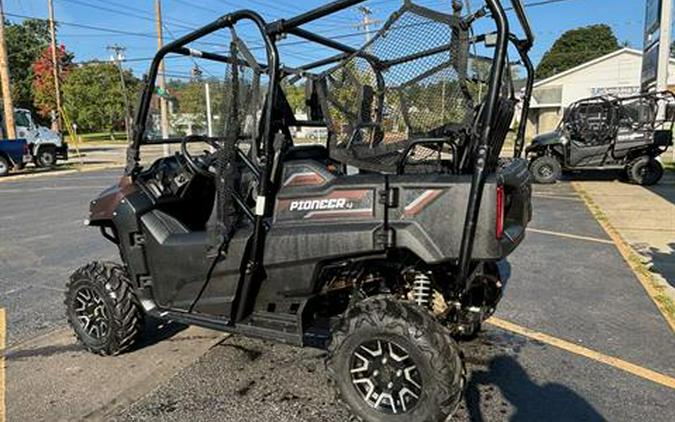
x: 571, y: 236
x: 617, y: 363
x: 2, y: 365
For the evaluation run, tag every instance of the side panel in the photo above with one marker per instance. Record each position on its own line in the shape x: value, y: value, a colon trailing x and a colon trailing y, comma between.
x: 429, y: 219
x: 329, y: 218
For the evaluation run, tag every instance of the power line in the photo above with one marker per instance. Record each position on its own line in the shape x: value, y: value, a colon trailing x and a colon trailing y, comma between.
x: 83, y: 26
x: 122, y: 13
x: 285, y: 44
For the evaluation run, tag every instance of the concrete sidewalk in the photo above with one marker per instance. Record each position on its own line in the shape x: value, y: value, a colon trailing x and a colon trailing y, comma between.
x: 645, y: 218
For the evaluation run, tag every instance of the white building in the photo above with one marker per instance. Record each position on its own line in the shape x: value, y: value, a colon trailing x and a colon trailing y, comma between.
x: 616, y: 73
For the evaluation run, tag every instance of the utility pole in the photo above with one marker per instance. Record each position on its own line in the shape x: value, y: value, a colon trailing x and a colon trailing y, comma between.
x: 367, y: 22
x: 4, y: 75
x: 55, y: 65
x: 664, y: 45
x: 164, y: 116
x: 209, y: 117
x: 665, y: 35
x: 118, y: 56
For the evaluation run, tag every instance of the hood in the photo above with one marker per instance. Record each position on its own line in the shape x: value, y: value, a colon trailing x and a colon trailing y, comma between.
x: 549, y: 138
x: 48, y: 136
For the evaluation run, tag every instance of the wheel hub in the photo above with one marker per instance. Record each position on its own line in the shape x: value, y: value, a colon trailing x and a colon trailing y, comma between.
x: 546, y: 171
x: 91, y: 313
x: 386, y: 377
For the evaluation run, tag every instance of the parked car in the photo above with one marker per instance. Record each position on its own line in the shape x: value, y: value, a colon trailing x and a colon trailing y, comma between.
x: 607, y: 133
x: 14, y: 154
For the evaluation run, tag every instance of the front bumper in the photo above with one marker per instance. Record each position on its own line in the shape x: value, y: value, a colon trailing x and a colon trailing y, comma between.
x: 62, y: 151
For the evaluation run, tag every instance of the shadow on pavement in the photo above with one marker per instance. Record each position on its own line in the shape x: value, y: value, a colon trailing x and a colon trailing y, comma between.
x: 42, y: 352
x: 594, y: 175
x: 662, y: 262
x: 531, y: 401
x: 155, y: 331
x: 666, y: 188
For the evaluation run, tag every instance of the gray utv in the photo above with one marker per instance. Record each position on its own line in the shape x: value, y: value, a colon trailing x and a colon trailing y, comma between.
x: 607, y: 133
x: 380, y: 245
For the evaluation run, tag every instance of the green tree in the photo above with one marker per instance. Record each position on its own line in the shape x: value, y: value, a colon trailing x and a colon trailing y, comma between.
x: 94, y: 99
x: 295, y: 94
x: 25, y: 43
x: 576, y: 47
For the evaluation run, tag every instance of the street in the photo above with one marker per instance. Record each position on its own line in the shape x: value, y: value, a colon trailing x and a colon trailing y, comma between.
x: 568, y: 283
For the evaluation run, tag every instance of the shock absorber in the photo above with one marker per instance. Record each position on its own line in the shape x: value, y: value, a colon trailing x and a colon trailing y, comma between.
x: 421, y: 289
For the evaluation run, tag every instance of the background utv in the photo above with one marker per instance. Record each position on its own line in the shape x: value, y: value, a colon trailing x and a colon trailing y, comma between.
x: 607, y: 133
x: 378, y: 245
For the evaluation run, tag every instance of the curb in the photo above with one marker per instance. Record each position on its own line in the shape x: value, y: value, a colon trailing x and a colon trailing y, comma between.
x: 655, y: 287
x: 80, y: 169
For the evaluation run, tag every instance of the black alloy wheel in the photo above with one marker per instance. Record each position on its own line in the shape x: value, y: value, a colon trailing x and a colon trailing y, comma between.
x: 91, y: 313
x: 386, y: 376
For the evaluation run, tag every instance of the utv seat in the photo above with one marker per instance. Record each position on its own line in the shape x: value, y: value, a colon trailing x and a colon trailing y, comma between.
x: 163, y: 225
x: 382, y: 100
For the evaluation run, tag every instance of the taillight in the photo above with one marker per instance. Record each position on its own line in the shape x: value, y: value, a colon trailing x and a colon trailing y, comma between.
x: 500, y: 212
x: 26, y: 151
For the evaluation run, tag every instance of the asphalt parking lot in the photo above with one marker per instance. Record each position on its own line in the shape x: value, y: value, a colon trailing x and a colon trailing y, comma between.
x: 576, y: 337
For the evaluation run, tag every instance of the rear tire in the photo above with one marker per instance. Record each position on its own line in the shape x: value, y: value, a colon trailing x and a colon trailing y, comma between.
x: 391, y: 361
x: 4, y: 166
x: 546, y: 169
x: 645, y: 171
x: 102, y: 308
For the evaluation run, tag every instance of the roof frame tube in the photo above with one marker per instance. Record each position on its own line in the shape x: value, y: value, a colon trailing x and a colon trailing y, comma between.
x: 285, y: 25
x: 482, y: 151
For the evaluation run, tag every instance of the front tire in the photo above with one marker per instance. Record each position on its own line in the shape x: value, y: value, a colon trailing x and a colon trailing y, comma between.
x: 391, y: 361
x: 546, y: 169
x: 645, y: 171
x: 46, y: 158
x: 102, y: 308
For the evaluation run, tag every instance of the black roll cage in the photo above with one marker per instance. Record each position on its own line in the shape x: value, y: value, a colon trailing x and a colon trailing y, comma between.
x: 271, y: 33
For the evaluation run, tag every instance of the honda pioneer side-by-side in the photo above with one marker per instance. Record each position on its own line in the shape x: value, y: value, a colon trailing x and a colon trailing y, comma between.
x: 382, y: 244
x: 608, y: 133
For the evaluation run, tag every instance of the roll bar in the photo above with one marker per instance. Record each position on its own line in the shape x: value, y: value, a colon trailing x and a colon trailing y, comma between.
x: 524, y: 23
x: 271, y: 32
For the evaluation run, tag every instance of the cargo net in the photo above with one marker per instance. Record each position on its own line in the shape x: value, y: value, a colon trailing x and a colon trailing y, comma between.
x: 241, y: 104
x: 407, y: 84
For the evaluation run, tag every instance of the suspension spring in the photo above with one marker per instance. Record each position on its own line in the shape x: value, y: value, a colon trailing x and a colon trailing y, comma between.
x: 421, y: 289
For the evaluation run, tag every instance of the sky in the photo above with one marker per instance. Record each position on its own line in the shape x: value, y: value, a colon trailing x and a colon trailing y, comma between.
x: 549, y: 21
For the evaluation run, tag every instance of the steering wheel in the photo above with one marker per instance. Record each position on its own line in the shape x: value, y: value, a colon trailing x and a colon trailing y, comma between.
x: 201, y: 164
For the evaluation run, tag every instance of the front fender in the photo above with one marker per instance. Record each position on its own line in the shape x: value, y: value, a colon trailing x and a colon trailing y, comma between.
x: 546, y: 141
x: 102, y: 209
